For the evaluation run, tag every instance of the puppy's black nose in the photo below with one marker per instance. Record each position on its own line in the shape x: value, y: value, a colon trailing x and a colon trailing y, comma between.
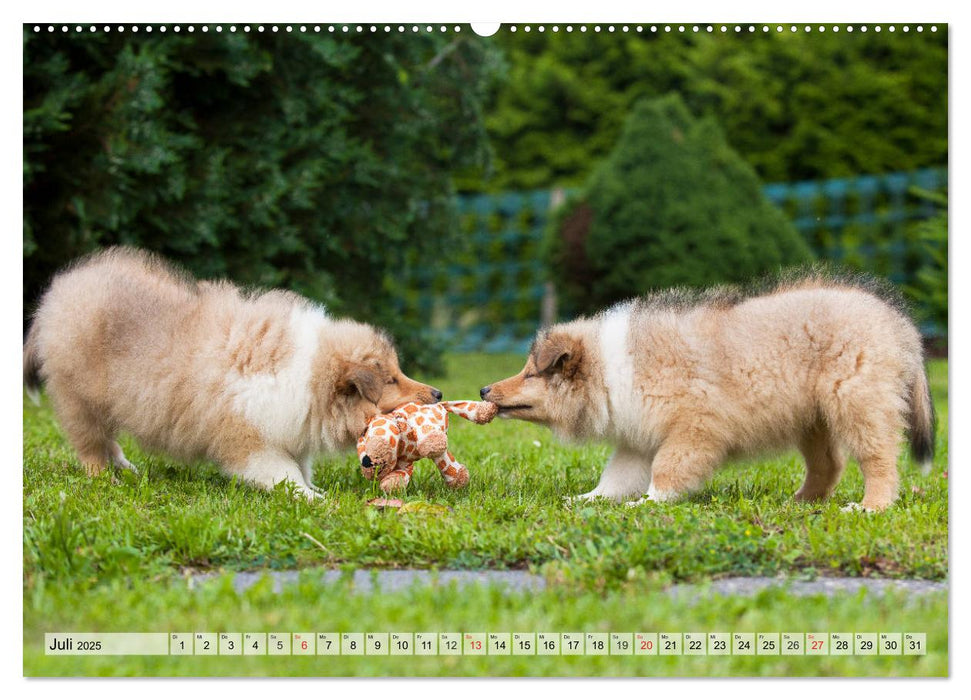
x: 437, y: 394
x: 366, y: 462
x: 484, y: 391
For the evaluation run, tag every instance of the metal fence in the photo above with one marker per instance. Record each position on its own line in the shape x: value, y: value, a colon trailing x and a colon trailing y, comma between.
x: 487, y: 293
x: 862, y: 221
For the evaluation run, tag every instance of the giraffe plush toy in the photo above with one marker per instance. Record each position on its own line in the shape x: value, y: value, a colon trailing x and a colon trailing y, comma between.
x: 393, y: 442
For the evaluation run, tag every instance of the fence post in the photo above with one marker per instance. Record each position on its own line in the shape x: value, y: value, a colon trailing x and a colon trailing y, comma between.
x: 548, y: 311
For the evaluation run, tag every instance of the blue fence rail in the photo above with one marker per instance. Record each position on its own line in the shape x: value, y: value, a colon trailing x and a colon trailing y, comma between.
x: 862, y: 221
x: 487, y: 292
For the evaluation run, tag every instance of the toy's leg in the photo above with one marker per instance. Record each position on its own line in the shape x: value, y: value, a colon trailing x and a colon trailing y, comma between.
x: 454, y: 472
x: 398, y: 478
x: 434, y: 443
x: 475, y: 411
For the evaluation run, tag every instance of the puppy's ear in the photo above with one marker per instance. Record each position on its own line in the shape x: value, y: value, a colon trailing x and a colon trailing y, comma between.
x: 558, y: 353
x: 364, y: 381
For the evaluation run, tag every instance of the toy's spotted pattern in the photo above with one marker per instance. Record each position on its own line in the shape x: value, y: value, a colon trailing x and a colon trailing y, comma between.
x: 393, y: 442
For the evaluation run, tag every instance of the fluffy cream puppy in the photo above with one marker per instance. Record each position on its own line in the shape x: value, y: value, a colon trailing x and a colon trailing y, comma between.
x: 679, y: 383
x: 259, y: 382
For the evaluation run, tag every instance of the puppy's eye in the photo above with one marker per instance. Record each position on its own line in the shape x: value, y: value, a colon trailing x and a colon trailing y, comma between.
x: 393, y: 380
x: 530, y: 376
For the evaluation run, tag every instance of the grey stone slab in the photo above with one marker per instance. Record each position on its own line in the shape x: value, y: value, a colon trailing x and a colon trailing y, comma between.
x: 751, y: 585
x: 393, y: 580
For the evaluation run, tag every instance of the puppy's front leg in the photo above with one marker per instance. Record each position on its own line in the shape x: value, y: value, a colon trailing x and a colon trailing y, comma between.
x: 680, y: 467
x: 307, y: 469
x: 626, y: 475
x: 118, y: 457
x: 268, y: 467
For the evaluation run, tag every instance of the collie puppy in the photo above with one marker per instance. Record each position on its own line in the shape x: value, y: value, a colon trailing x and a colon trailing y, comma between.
x: 259, y: 382
x: 681, y: 382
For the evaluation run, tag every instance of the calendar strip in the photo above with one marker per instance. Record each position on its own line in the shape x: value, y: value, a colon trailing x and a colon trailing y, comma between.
x: 246, y: 644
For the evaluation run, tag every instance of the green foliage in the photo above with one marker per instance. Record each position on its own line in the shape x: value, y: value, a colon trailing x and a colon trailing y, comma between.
x: 929, y: 289
x: 671, y: 205
x: 298, y: 160
x: 796, y: 105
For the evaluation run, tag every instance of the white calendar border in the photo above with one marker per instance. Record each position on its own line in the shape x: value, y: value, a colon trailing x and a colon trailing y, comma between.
x: 509, y: 10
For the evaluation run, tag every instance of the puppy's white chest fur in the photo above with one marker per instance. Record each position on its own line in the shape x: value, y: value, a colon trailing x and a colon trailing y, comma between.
x: 278, y: 403
x: 618, y: 363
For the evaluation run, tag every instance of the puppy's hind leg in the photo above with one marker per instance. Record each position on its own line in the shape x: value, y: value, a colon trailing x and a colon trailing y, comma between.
x: 626, y: 475
x: 825, y: 462
x: 880, y: 478
x: 85, y: 431
x: 267, y: 467
x: 869, y: 423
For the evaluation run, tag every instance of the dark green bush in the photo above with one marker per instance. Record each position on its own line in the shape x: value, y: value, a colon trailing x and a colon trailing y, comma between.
x: 298, y: 160
x: 796, y: 105
x: 929, y: 289
x: 671, y: 205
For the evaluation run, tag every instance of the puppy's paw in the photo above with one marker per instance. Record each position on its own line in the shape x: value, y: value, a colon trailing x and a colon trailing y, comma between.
x: 855, y: 508
x: 653, y: 496
x: 659, y: 495
x: 127, y: 466
x: 299, y: 491
x: 118, y: 458
x: 583, y: 498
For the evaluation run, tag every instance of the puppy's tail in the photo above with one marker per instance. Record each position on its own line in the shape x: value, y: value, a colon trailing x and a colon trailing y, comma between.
x: 32, y: 364
x: 922, y: 421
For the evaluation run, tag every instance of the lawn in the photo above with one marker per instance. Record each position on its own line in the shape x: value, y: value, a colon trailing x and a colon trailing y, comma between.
x: 110, y: 554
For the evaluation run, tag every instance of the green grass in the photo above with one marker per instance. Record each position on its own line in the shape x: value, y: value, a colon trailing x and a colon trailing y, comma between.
x: 89, y: 542
x: 310, y: 607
